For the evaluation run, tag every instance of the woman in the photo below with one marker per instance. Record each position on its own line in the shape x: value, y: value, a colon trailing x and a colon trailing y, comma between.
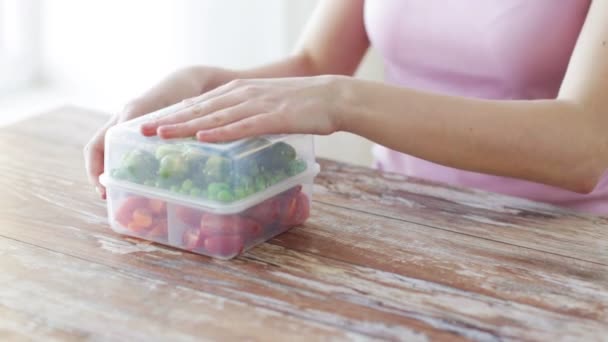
x: 503, y: 95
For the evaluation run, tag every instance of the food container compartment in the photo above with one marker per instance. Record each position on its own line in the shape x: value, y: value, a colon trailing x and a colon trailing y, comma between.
x: 211, y: 172
x: 213, y: 199
x: 213, y: 232
x: 137, y: 215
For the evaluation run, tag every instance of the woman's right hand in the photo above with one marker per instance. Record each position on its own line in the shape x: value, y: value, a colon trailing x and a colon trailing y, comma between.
x: 182, y: 84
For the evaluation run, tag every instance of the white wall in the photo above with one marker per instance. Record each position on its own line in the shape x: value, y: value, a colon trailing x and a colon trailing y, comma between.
x: 103, y: 52
x: 19, y: 44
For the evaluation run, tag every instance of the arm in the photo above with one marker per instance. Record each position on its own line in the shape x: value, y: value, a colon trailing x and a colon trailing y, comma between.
x: 561, y: 142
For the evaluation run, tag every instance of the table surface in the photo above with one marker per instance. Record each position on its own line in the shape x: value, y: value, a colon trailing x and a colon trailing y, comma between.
x: 381, y: 257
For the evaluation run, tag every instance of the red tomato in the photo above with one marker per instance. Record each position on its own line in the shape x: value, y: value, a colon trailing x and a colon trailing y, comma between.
x: 295, y: 210
x: 189, y: 216
x: 124, y: 214
x: 219, y: 225
x: 224, y: 246
x: 142, y: 217
x: 293, y: 191
x: 136, y: 228
x: 266, y: 212
x: 159, y: 230
x: 193, y: 238
x: 157, y: 207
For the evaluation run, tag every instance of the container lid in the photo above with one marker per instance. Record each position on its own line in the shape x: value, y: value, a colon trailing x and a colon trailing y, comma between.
x: 132, y: 127
x: 210, y: 205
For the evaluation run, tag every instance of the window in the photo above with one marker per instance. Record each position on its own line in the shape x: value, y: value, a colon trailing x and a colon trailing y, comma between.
x: 19, y: 43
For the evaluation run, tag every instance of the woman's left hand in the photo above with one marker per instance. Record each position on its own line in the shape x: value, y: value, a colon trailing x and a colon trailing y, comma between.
x: 250, y: 107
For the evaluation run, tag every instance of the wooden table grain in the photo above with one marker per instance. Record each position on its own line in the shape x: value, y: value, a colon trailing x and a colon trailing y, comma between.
x: 382, y: 257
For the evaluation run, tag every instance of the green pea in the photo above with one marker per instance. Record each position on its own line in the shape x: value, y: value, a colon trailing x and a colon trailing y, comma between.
x: 164, y: 150
x: 250, y: 191
x: 225, y: 196
x: 296, y: 166
x: 196, y: 192
x: 174, y: 188
x: 215, y: 188
x: 240, y: 192
x: 187, y: 185
x: 260, y: 183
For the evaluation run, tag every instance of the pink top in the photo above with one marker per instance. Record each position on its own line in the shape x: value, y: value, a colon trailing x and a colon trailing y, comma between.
x: 491, y: 49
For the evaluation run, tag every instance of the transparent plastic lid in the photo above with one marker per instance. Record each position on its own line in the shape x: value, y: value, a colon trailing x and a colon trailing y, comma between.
x: 133, y: 126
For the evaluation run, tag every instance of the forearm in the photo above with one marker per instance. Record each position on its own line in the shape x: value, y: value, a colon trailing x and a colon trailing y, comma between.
x: 548, y: 141
x: 300, y: 64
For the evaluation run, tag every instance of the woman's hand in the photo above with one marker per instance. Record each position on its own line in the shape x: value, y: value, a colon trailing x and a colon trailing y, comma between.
x: 244, y: 108
x: 181, y: 84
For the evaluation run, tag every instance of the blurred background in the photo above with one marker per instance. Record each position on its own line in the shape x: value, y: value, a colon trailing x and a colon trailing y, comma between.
x: 100, y: 53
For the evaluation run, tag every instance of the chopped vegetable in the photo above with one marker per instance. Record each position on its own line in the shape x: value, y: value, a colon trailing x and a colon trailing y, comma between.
x: 199, y: 171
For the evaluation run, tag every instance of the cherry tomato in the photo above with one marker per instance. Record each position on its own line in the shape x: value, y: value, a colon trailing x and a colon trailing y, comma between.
x: 189, y: 216
x: 266, y: 212
x: 295, y: 210
x: 193, y: 238
x: 159, y: 229
x: 157, y: 207
x: 224, y: 246
x: 142, y: 217
x: 293, y: 191
x: 220, y: 225
x: 124, y: 214
x: 135, y: 228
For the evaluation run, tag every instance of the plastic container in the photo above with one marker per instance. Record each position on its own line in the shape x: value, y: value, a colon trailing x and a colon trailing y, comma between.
x: 212, y: 199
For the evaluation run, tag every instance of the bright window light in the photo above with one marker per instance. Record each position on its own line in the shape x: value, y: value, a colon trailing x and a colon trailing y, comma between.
x: 19, y: 43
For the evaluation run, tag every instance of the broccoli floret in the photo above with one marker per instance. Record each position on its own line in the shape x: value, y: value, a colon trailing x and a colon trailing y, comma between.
x: 217, y: 169
x: 166, y: 149
x: 139, y: 166
x: 173, y: 166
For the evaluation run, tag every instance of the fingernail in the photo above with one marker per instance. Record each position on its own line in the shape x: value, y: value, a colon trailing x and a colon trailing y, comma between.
x: 147, y: 128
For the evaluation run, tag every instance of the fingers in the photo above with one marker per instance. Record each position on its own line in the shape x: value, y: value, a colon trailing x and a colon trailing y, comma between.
x: 260, y: 124
x: 195, y: 107
x: 218, y: 118
x: 95, y: 168
x: 94, y: 157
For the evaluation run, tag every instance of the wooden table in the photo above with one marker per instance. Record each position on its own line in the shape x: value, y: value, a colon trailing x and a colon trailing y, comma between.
x: 382, y: 256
